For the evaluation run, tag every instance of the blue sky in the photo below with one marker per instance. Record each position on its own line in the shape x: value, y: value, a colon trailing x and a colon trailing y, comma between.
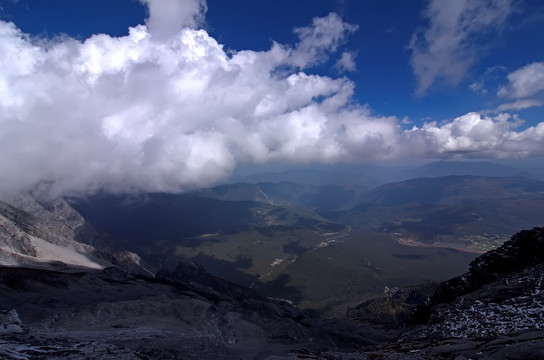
x: 383, y: 75
x: 344, y: 82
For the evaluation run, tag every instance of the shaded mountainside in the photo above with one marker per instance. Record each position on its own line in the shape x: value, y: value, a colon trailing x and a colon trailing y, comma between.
x: 453, y: 190
x: 237, y: 240
x: 169, y: 217
x: 323, y: 198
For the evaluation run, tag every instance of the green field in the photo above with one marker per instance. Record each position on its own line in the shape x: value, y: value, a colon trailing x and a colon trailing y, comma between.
x: 328, y: 280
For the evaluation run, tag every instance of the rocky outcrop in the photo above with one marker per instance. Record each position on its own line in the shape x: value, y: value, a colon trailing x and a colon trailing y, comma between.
x: 524, y: 250
x: 493, y: 311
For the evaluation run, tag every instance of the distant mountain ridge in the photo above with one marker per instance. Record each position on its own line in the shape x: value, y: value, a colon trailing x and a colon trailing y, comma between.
x: 373, y: 175
x: 461, y: 168
x: 472, y: 213
x: 452, y: 189
x: 318, y: 176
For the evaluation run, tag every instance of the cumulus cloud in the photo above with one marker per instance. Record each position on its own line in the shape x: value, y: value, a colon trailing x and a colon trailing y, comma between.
x: 161, y: 113
x: 524, y: 82
x: 148, y: 113
x: 447, y: 49
x: 474, y: 135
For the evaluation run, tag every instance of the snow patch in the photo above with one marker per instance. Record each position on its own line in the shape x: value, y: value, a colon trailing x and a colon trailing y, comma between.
x: 48, y: 252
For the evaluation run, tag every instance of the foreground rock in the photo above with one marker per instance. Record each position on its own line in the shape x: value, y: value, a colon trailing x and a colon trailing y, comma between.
x: 183, y: 314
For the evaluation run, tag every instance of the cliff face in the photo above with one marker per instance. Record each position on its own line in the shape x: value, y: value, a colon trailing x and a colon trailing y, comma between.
x: 53, y: 235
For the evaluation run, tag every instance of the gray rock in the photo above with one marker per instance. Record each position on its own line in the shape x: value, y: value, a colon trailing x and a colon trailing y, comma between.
x: 10, y: 322
x: 26, y: 226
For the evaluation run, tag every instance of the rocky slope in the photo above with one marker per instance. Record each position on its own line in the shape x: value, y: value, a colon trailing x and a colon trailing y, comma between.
x: 495, y: 311
x: 52, y: 234
x: 185, y: 314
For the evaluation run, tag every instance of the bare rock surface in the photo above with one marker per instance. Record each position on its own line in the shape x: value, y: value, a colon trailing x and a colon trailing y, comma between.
x: 51, y: 234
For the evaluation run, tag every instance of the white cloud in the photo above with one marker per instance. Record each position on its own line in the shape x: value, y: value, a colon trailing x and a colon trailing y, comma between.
x: 137, y: 113
x: 168, y: 17
x: 161, y: 113
x: 524, y: 82
x: 474, y: 135
x: 346, y: 62
x: 318, y: 40
x: 519, y: 105
x: 447, y: 49
x: 478, y: 87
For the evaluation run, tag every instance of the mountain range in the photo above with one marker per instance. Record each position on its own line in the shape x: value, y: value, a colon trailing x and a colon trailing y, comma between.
x: 373, y: 175
x: 277, y: 271
x: 276, y: 237
x: 77, y: 311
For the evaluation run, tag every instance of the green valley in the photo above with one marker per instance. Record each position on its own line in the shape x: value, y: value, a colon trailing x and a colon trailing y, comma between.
x: 327, y: 248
